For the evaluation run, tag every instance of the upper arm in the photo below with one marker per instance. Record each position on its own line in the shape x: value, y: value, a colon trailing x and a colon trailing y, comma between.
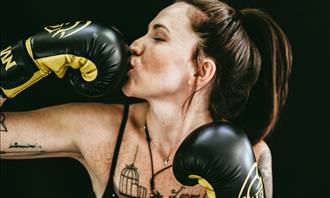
x: 264, y: 159
x: 48, y: 132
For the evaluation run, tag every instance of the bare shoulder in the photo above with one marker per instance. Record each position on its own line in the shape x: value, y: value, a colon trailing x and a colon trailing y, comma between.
x: 85, y: 118
x: 100, y: 123
x: 96, y: 122
x: 82, y: 110
x: 91, y: 110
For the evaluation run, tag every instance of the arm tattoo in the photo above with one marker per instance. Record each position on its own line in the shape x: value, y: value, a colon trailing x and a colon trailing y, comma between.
x: 17, y: 145
x: 3, y: 127
x: 26, y: 149
x: 265, y: 167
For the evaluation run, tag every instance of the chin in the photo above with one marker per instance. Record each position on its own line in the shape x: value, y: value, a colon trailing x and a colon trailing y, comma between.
x: 126, y: 90
x: 129, y: 91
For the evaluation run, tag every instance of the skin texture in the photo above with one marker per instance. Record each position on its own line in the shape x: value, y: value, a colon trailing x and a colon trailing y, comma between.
x: 2, y: 100
x: 163, y: 74
x: 154, y: 62
x: 264, y: 159
x: 3, y: 127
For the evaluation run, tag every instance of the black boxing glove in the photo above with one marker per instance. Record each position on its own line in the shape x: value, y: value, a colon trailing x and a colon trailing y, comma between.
x: 97, y: 55
x: 219, y: 156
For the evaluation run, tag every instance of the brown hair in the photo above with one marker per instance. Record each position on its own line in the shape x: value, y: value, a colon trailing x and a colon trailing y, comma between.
x: 253, y: 57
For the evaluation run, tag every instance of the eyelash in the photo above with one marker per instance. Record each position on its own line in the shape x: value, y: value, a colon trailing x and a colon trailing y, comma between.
x: 158, y: 39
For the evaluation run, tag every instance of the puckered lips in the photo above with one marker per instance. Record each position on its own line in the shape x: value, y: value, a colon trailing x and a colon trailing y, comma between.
x: 130, y: 66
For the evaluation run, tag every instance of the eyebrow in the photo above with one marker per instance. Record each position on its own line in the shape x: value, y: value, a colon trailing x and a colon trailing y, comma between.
x: 158, y: 25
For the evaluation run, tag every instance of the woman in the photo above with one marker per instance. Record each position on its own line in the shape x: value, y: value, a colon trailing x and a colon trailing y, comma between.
x: 199, y: 61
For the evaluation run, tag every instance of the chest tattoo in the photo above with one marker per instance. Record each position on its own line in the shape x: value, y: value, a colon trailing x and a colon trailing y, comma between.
x: 129, y: 186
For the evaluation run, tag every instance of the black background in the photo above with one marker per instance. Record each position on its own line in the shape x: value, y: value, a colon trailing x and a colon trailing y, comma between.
x: 300, y: 143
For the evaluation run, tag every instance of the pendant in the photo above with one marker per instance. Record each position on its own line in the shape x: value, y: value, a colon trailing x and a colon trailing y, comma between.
x: 166, y: 162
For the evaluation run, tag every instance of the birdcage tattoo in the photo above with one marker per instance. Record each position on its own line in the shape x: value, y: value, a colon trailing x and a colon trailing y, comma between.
x: 129, y: 183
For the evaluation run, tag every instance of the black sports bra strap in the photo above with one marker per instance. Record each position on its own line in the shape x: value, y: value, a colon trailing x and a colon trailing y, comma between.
x: 109, y: 191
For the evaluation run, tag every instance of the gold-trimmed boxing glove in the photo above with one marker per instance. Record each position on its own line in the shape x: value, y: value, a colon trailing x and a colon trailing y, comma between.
x: 98, y: 58
x: 219, y: 157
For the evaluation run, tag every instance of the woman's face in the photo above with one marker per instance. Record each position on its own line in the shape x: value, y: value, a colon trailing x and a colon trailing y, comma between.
x: 161, y: 62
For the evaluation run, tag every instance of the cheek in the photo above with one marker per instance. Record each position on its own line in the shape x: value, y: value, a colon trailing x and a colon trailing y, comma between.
x: 171, y: 76
x: 166, y: 59
x: 168, y: 68
x: 156, y: 60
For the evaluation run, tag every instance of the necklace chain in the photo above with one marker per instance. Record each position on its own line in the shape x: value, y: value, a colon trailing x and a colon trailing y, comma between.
x: 166, y: 161
x: 167, y: 158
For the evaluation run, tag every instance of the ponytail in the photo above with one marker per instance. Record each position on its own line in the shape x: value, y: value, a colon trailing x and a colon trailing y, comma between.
x: 269, y: 93
x: 253, y: 59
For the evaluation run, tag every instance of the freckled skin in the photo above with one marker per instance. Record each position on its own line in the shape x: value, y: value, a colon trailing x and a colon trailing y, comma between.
x: 163, y: 68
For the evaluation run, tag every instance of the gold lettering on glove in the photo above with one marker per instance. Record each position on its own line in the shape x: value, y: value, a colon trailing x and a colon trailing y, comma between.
x: 6, y: 58
x: 253, y: 186
x: 66, y: 29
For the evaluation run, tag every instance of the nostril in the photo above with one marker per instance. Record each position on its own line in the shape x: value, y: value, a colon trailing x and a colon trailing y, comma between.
x: 136, y: 50
x: 131, y: 52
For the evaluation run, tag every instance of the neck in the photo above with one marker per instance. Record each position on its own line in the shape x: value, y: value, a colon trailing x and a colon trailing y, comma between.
x: 169, y: 123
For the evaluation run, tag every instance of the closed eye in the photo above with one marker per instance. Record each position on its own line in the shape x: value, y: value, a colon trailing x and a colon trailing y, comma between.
x: 158, y: 39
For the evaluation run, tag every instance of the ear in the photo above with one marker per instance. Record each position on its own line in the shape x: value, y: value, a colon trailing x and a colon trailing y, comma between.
x: 205, y: 72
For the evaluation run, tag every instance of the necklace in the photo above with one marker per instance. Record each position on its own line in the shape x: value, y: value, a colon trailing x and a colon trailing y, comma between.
x: 154, y: 193
x: 165, y: 160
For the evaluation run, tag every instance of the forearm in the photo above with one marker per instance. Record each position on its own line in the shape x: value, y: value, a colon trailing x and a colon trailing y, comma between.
x: 11, y: 143
x: 37, y: 134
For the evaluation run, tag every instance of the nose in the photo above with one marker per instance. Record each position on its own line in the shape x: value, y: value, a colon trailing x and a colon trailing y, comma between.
x: 136, y: 48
